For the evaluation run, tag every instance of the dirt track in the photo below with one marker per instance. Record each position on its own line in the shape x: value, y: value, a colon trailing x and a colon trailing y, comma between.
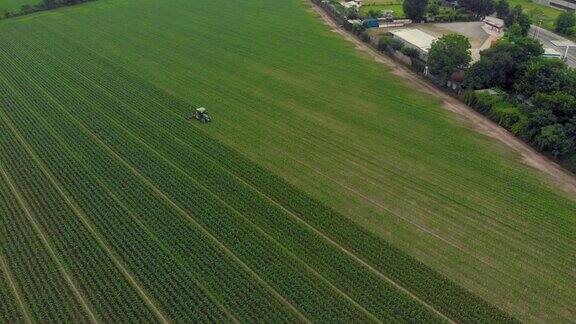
x: 555, y: 173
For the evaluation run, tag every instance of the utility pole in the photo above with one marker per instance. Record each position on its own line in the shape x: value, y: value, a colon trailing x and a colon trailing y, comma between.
x: 538, y: 28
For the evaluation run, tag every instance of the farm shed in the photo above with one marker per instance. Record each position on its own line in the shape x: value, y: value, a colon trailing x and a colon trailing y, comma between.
x: 415, y: 38
x: 494, y: 24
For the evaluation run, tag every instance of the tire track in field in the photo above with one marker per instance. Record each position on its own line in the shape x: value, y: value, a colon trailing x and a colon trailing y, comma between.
x: 185, y: 214
x: 256, y: 227
x: 555, y: 173
x: 117, y: 200
x: 88, y: 132
x: 294, y: 216
x: 88, y: 225
x: 46, y: 243
x: 12, y: 283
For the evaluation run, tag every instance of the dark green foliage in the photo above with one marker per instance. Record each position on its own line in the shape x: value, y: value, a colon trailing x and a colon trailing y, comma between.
x: 561, y: 104
x: 481, y: 8
x: 410, y: 52
x: 384, y: 43
x: 396, y: 44
x: 566, y: 23
x: 434, y: 8
x: 415, y: 9
x: 449, y: 54
x: 365, y: 37
x: 548, y: 76
x: 374, y: 13
x: 502, y: 9
x: 501, y: 65
x: 517, y: 16
x: 553, y: 139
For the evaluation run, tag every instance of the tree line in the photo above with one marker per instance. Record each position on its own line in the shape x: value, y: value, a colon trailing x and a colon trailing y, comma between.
x: 417, y: 10
x: 532, y: 96
x: 44, y: 5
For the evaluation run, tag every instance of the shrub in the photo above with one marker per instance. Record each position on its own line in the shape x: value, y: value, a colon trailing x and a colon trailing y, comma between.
x: 418, y: 66
x: 365, y: 37
x: 384, y: 43
x: 396, y: 44
x: 505, y: 114
x: 410, y: 52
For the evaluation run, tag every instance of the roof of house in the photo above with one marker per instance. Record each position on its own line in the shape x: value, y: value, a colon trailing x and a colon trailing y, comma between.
x: 493, y: 21
x: 415, y: 37
x: 350, y: 4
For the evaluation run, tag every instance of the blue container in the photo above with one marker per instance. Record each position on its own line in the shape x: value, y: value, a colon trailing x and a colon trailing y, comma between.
x: 372, y: 23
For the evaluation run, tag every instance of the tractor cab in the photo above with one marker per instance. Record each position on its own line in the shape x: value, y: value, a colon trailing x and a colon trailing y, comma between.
x: 202, y: 115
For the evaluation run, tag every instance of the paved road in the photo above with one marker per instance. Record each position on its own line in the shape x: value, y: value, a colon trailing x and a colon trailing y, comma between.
x: 546, y: 36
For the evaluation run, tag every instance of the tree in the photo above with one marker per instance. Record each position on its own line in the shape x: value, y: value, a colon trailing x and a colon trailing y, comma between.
x: 374, y: 13
x: 502, y: 9
x: 561, y: 104
x: 501, y: 65
x: 449, y: 54
x: 525, y: 23
x: 485, y: 8
x: 553, y: 139
x: 415, y: 9
x: 481, y: 8
x: 352, y: 13
x: 537, y: 120
x: 546, y: 76
x: 434, y: 9
x: 514, y: 33
x: 566, y: 23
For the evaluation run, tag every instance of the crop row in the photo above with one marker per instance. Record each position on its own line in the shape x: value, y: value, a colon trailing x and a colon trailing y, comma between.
x: 454, y: 300
x: 177, y: 152
x: 461, y: 197
x: 175, y: 281
x: 39, y: 281
x: 395, y: 301
x: 263, y: 256
x: 434, y: 288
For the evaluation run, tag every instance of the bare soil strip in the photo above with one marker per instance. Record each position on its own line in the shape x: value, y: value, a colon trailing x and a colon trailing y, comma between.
x: 12, y: 284
x: 555, y: 173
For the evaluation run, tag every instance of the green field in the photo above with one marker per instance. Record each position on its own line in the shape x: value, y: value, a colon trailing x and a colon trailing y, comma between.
x: 14, y: 5
x: 325, y: 189
x: 380, y: 5
x: 538, y: 12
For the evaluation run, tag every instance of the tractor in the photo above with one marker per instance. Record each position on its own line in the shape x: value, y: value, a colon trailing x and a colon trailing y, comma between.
x: 202, y: 115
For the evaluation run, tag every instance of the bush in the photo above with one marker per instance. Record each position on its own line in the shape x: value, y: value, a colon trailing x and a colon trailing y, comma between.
x: 418, y: 66
x: 410, y: 52
x: 396, y: 44
x: 384, y: 43
x: 365, y: 37
x: 566, y: 23
x: 506, y: 114
x: 485, y: 101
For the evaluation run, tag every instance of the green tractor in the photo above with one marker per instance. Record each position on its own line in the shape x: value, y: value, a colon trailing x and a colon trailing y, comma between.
x: 202, y: 115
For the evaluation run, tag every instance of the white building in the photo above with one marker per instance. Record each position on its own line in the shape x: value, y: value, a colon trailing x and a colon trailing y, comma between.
x: 351, y: 4
x: 415, y: 38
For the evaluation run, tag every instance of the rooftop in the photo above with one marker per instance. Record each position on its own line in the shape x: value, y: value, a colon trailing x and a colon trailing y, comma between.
x: 415, y: 37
